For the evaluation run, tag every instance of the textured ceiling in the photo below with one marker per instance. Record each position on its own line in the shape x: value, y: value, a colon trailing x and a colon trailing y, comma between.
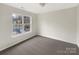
x: 36, y: 8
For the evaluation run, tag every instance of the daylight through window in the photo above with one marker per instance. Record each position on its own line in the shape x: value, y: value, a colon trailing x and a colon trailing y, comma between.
x: 21, y: 24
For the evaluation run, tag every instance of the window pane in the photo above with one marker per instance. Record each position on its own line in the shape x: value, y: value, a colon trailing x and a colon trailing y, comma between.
x: 26, y: 23
x: 17, y: 24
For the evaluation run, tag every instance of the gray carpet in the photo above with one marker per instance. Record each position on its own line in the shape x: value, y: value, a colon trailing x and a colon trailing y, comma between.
x: 42, y: 46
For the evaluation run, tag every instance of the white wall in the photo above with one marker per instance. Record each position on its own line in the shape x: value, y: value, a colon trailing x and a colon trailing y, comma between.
x: 78, y: 25
x: 6, y: 26
x: 60, y: 25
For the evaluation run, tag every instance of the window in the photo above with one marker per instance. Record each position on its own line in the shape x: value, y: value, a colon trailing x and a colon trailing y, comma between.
x: 21, y: 24
x: 26, y: 23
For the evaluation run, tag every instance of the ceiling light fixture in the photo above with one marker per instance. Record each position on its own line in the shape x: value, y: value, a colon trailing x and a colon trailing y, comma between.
x: 22, y: 7
x: 42, y: 4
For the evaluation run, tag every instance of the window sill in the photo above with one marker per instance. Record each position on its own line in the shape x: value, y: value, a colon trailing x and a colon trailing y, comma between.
x: 21, y: 34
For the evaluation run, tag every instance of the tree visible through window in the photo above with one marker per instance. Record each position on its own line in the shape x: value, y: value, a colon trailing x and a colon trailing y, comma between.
x: 20, y: 24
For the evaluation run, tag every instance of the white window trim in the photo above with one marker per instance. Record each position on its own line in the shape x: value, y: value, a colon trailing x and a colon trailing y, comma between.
x: 23, y: 33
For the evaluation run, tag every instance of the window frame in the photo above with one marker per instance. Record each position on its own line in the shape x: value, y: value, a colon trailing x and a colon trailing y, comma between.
x: 23, y: 33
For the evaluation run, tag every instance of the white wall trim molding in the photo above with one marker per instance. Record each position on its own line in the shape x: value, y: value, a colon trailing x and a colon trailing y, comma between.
x: 78, y: 45
x: 14, y: 43
x: 58, y: 39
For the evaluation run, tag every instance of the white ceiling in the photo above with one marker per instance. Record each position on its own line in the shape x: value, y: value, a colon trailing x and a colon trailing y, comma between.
x: 36, y: 8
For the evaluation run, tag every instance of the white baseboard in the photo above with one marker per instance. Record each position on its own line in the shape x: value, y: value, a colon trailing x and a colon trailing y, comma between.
x: 78, y: 45
x: 57, y: 39
x: 14, y: 43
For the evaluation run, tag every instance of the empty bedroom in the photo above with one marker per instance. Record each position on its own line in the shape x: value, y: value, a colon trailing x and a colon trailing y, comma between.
x: 39, y: 29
